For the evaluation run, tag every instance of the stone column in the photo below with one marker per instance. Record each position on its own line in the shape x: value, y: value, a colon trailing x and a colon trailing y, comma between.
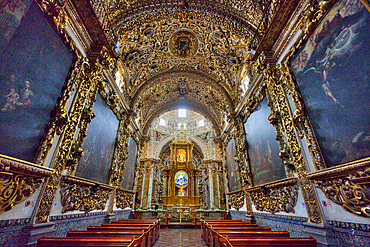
x: 210, y: 180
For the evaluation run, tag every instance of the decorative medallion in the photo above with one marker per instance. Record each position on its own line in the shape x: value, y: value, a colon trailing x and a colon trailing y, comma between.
x: 183, y: 44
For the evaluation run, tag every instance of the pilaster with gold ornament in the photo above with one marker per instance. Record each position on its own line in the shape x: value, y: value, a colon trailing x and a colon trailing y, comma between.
x: 274, y: 78
x: 79, y: 194
x: 279, y: 196
x: 19, y: 180
x: 84, y: 78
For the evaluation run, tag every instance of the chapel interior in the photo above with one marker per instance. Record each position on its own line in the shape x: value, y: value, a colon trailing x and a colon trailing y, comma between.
x: 187, y: 111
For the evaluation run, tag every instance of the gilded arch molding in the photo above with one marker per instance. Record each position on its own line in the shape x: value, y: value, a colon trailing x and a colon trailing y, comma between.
x: 183, y: 73
x: 187, y: 104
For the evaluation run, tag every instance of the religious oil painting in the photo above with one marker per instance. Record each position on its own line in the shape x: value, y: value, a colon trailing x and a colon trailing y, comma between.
x: 98, y: 146
x: 181, y: 183
x: 332, y: 71
x: 263, y: 149
x: 130, y: 164
x: 232, y: 167
x: 34, y: 64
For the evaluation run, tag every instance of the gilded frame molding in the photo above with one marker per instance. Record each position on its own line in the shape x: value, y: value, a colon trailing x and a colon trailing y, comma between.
x: 340, y: 183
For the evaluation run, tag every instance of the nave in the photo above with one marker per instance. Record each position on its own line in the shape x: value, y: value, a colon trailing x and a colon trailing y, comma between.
x: 147, y: 233
x: 180, y: 237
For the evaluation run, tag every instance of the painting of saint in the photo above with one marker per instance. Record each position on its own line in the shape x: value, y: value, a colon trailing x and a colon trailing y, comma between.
x: 181, y: 183
x: 34, y: 64
x: 130, y: 164
x: 98, y: 146
x: 332, y: 72
x: 263, y: 149
x: 232, y: 167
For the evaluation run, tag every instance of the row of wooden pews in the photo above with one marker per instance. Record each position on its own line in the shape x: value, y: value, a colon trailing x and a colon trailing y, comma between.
x: 228, y: 233
x: 124, y: 232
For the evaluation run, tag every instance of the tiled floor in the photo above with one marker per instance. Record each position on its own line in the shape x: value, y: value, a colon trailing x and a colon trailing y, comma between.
x: 180, y: 238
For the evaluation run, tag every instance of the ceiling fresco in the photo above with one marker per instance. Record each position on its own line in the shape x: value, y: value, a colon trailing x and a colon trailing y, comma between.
x: 189, y: 53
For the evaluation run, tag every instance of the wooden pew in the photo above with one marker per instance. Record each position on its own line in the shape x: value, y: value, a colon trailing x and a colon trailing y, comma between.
x: 209, y: 237
x: 153, y: 235
x: 85, y: 242
x: 274, y: 242
x: 217, y: 240
x: 226, y: 225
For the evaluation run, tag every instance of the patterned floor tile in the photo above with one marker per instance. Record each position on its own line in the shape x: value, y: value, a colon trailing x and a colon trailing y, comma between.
x: 180, y: 238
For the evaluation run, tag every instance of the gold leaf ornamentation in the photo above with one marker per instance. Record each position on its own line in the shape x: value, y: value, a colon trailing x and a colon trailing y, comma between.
x: 19, y: 180
x: 347, y: 185
x: 275, y: 197
x: 83, y: 195
x: 124, y: 198
x: 236, y: 199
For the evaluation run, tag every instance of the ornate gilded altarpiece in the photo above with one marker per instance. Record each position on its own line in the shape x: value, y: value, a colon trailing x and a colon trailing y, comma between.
x: 325, y: 73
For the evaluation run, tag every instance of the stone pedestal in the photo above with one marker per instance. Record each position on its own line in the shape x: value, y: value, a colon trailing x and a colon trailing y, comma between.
x: 110, y: 217
x: 250, y: 218
x: 323, y: 234
x: 34, y: 232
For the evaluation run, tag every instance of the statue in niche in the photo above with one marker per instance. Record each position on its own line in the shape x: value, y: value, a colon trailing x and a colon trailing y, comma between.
x: 181, y: 155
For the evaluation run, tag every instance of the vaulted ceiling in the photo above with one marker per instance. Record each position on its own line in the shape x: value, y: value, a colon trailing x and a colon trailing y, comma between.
x: 188, y: 53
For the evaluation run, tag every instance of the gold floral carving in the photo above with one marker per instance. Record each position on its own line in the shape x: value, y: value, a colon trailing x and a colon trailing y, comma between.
x: 274, y: 79
x: 124, y: 198
x: 120, y: 154
x: 19, y: 180
x: 280, y: 196
x: 83, y: 195
x: 347, y: 185
x: 236, y: 199
x: 245, y: 176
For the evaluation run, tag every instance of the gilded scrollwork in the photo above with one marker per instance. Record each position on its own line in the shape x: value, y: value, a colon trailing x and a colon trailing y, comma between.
x: 280, y: 196
x: 79, y: 194
x: 124, y: 198
x: 236, y: 199
x: 273, y: 77
x: 19, y: 180
x: 347, y: 185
